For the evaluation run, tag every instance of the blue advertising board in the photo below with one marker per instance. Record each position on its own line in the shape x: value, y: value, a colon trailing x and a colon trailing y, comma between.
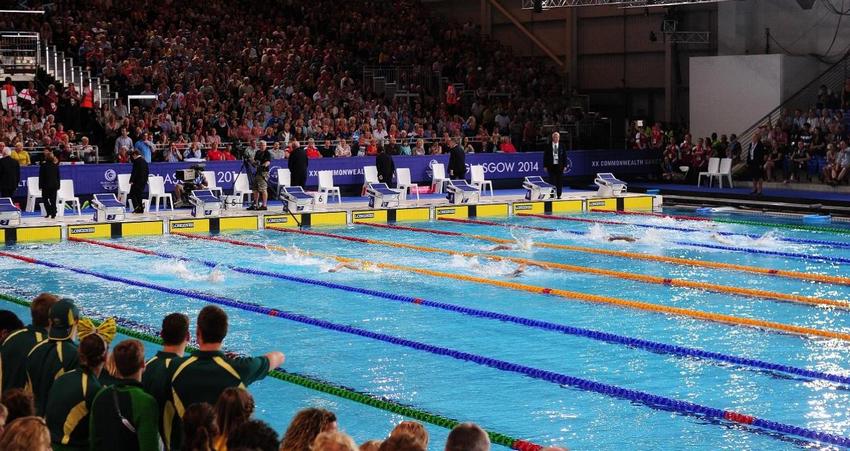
x: 99, y: 178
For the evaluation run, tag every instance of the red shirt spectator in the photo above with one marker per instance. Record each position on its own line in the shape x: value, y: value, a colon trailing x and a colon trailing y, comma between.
x: 313, y: 152
x: 507, y: 146
x: 215, y: 155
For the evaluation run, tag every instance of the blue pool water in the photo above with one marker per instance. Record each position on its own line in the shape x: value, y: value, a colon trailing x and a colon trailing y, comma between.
x: 506, y: 402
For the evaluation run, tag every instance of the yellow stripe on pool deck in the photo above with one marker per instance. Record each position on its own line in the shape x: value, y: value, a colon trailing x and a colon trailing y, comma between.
x: 567, y: 206
x: 376, y: 216
x: 637, y: 203
x: 602, y: 204
x: 43, y: 233
x: 485, y: 210
x: 141, y: 228
x: 413, y: 214
x: 189, y: 225
x: 456, y: 211
x: 238, y: 223
x: 91, y: 231
x: 529, y: 207
x: 329, y: 218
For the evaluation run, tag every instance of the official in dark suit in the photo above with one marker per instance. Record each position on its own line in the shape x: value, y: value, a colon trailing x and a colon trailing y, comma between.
x: 10, y: 175
x: 554, y: 160
x: 48, y: 183
x: 386, y: 166
x: 138, y: 181
x: 755, y: 163
x: 297, y: 164
x: 457, y: 161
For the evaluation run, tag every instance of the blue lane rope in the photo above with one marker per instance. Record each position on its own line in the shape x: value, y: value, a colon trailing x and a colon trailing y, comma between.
x: 648, y: 345
x: 647, y: 399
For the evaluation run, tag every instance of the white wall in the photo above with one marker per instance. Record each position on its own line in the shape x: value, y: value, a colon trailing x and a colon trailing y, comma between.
x: 741, y: 27
x: 730, y: 93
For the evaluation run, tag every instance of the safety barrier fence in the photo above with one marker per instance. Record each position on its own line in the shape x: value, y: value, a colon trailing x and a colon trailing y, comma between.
x: 647, y: 399
x: 574, y: 295
x: 142, y: 332
x: 838, y: 244
x: 652, y: 346
x: 780, y: 225
x: 795, y: 255
x: 749, y: 292
x: 840, y: 280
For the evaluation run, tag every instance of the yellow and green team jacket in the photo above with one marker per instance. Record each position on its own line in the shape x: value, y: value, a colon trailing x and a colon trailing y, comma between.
x: 156, y: 380
x: 13, y: 354
x: 124, y: 417
x: 47, y: 361
x: 68, y: 404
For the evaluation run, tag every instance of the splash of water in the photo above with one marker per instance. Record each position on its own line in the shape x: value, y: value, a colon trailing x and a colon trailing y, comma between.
x: 179, y: 268
x: 294, y: 257
x: 501, y: 268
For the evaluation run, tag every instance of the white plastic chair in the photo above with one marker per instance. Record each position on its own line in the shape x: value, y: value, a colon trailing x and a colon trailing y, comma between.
x: 284, y: 180
x: 33, y: 193
x: 242, y: 188
x: 476, y: 178
x: 438, y: 177
x: 66, y: 196
x: 124, y: 188
x: 713, y: 170
x: 212, y: 184
x: 725, y: 171
x: 156, y: 193
x: 402, y: 182
x: 326, y: 186
x: 370, y: 175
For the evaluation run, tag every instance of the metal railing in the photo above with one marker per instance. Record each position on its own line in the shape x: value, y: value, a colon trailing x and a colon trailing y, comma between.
x: 63, y: 69
x: 393, y: 79
x: 19, y: 52
x: 833, y: 78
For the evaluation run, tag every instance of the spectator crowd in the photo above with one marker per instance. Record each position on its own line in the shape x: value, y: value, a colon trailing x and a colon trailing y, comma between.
x: 62, y: 387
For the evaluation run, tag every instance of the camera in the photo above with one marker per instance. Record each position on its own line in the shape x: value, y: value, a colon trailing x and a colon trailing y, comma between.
x: 189, y: 175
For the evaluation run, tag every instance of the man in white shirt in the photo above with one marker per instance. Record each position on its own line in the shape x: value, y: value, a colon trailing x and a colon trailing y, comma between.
x: 554, y: 160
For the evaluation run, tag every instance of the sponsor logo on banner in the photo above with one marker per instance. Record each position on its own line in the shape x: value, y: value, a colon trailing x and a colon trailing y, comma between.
x: 277, y: 220
x: 81, y: 230
x: 110, y: 175
x: 596, y: 203
x: 182, y: 225
x: 522, y: 207
x: 445, y: 211
x: 110, y: 180
x: 364, y: 215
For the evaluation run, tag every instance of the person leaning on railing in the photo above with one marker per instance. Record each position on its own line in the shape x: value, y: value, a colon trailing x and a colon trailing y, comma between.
x: 21, y: 155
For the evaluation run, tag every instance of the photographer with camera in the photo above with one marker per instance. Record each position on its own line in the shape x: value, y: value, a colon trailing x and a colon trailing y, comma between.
x: 188, y: 180
x: 262, y: 162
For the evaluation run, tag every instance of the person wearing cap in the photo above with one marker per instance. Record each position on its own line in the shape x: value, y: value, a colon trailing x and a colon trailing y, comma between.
x: 72, y: 394
x: 55, y: 356
x: 156, y: 379
x: 18, y: 345
x: 207, y: 372
x: 123, y: 416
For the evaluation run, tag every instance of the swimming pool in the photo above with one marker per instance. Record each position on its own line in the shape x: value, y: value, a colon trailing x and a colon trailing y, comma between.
x: 584, y: 353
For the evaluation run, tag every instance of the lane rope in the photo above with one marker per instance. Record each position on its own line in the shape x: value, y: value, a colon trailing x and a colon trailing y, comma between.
x: 648, y: 345
x: 839, y: 280
x: 143, y: 332
x: 748, y: 292
x: 647, y: 399
x: 834, y: 244
x: 573, y: 295
x: 796, y: 255
x: 780, y: 225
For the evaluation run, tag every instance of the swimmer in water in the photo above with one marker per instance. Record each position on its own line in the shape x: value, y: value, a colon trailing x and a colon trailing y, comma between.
x: 622, y: 238
x: 722, y: 239
x: 364, y: 266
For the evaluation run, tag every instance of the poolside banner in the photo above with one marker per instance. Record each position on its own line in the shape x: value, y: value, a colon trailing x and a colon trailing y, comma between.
x: 99, y: 178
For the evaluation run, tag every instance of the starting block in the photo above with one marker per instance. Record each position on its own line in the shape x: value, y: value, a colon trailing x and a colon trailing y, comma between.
x: 205, y: 203
x: 538, y: 189
x: 295, y: 200
x: 108, y: 208
x: 10, y: 215
x: 609, y: 185
x: 383, y: 195
x: 461, y: 192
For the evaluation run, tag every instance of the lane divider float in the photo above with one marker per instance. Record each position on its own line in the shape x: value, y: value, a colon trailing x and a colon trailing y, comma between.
x: 779, y: 225
x: 139, y: 331
x: 796, y: 255
x: 648, y: 345
x: 749, y: 292
x: 839, y: 280
x: 574, y: 295
x: 647, y: 399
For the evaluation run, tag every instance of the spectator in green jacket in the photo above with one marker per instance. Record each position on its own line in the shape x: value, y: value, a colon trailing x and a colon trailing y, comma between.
x: 156, y: 380
x: 204, y: 375
x: 18, y: 345
x: 71, y: 397
x: 55, y: 356
x: 123, y: 416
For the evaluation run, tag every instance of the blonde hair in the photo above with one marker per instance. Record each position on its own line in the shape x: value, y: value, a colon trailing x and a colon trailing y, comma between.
x: 26, y: 434
x: 413, y: 429
x: 333, y: 441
